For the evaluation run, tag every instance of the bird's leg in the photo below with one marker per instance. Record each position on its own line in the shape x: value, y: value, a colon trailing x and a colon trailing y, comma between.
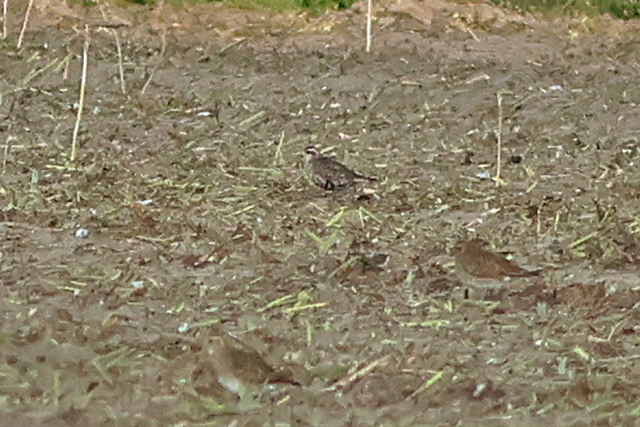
x: 329, y: 186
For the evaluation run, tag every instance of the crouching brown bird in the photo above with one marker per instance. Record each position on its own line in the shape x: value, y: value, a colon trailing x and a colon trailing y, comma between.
x: 329, y: 174
x: 240, y: 368
x: 474, y: 260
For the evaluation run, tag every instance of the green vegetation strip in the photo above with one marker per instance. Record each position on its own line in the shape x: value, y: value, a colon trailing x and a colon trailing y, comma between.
x: 622, y: 9
x: 316, y: 6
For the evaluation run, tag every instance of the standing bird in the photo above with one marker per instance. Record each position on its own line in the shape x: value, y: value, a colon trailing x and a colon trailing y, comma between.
x: 328, y: 173
x: 474, y: 260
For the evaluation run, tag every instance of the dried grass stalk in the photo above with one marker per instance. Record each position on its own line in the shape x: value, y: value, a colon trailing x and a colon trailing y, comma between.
x: 24, y: 24
x: 83, y: 85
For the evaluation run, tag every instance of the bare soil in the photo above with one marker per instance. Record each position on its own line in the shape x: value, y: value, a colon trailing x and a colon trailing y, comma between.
x: 186, y: 216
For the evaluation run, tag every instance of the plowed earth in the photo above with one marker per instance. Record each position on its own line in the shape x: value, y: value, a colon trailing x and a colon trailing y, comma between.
x: 186, y: 216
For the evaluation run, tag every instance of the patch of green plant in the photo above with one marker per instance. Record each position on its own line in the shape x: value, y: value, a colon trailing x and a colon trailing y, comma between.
x: 85, y: 3
x: 324, y: 4
x: 315, y: 6
x: 623, y: 9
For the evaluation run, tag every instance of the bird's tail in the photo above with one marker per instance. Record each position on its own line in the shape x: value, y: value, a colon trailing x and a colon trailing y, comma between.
x: 527, y: 273
x: 365, y: 178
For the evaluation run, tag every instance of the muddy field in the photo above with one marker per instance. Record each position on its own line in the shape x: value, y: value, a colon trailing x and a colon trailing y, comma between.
x: 182, y: 270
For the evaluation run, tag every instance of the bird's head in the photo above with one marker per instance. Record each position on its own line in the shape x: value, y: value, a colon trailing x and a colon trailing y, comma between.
x: 310, y: 152
x: 468, y: 246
